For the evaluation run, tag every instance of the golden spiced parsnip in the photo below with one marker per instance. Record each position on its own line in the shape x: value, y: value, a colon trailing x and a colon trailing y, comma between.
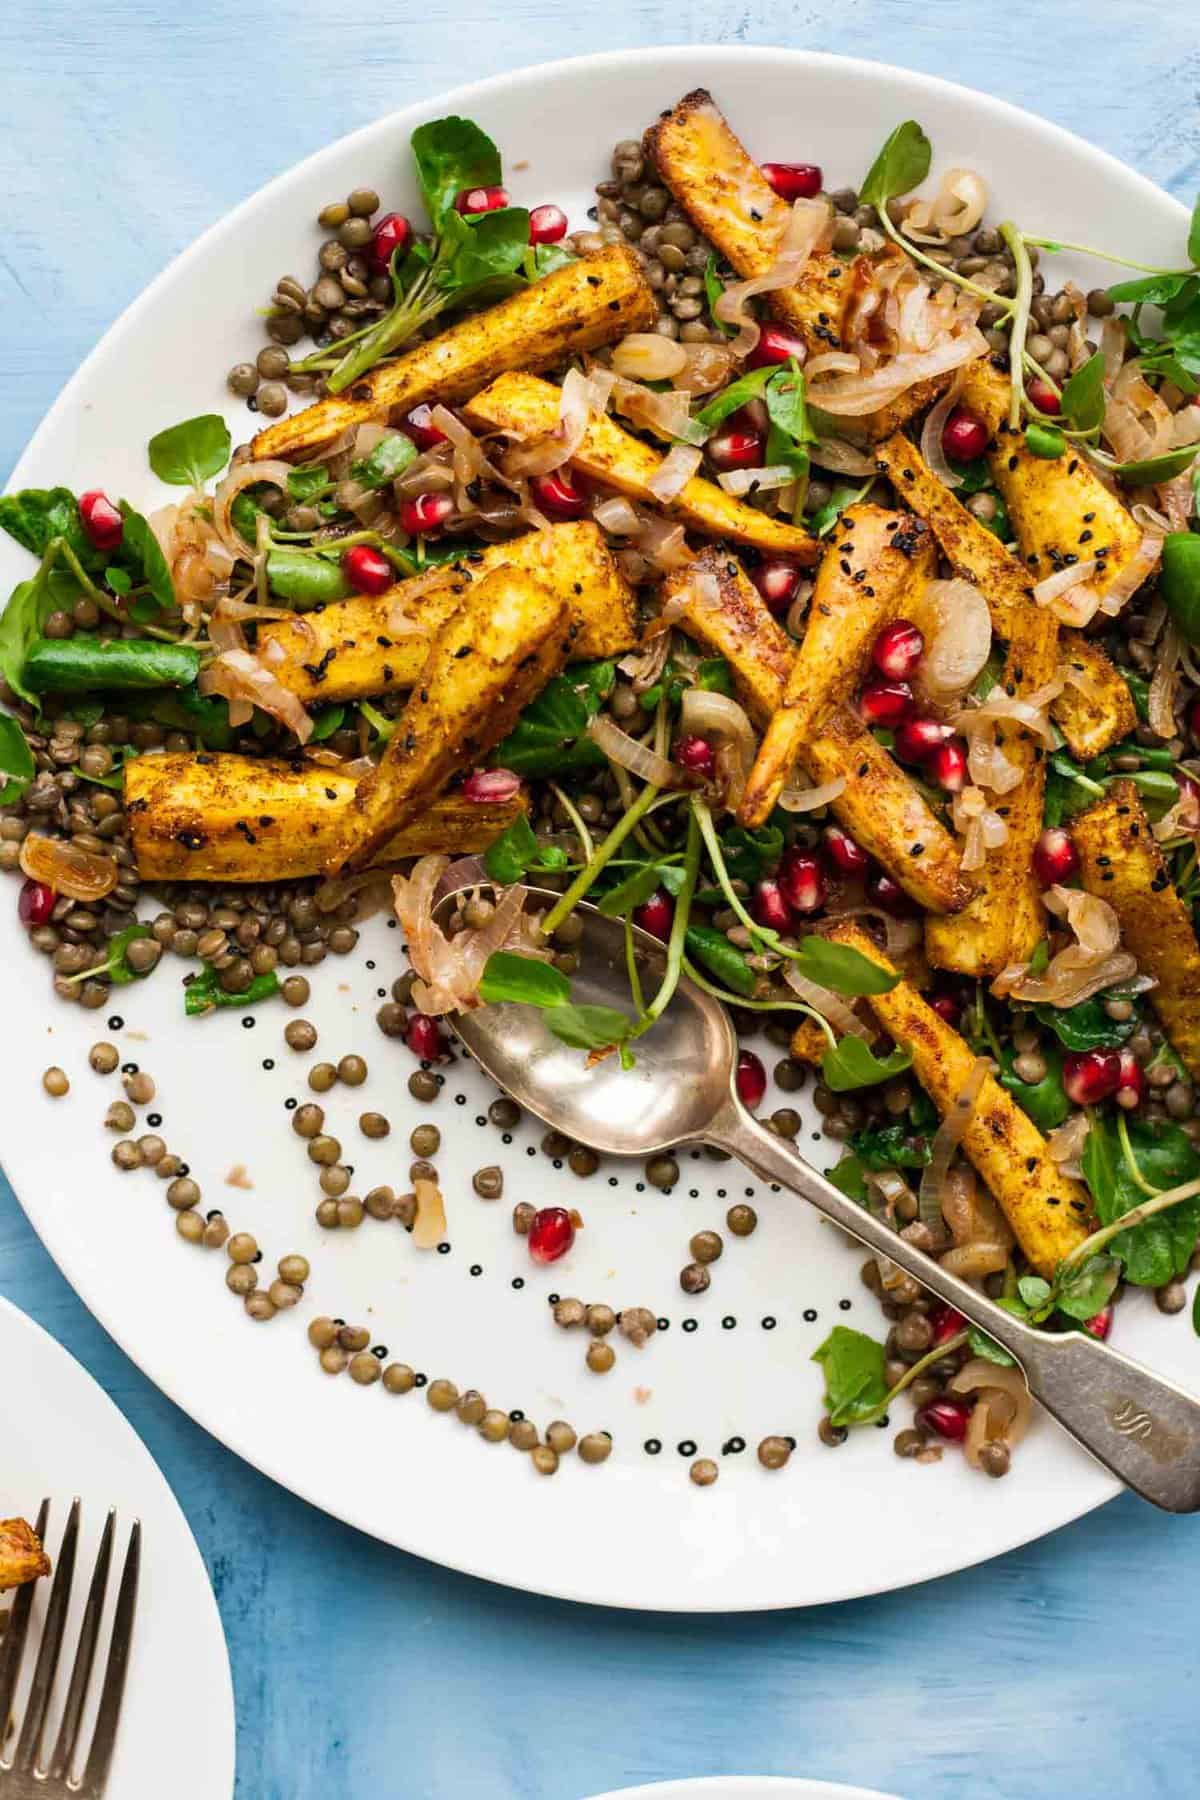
x: 578, y: 307
x: 22, y: 1558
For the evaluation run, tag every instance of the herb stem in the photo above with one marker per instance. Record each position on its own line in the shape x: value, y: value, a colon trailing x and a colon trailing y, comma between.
x: 1124, y: 262
x: 635, y: 980
x: 1022, y: 301
x: 679, y: 925
x: 576, y: 817
x: 1136, y: 1215
x: 603, y: 855
x: 739, y: 1000
x: 937, y: 268
x: 1135, y: 1174
x: 97, y: 594
x: 910, y: 1375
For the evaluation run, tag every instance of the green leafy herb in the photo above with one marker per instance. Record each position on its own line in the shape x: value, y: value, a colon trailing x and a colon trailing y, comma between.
x: 714, y: 676
x: 453, y: 155
x: 901, y: 166
x: 189, y: 454
x: 1083, y: 397
x: 305, y: 579
x: 141, y: 550
x: 751, y: 853
x: 714, y: 287
x: 204, y: 994
x: 307, y: 485
x: 549, y: 737
x: 890, y: 1147
x: 82, y: 664
x: 848, y: 1178
x: 1086, y: 1025
x: 17, y: 767
x: 205, y: 716
x: 844, y: 969
x: 853, y: 1065
x: 116, y: 959
x: 980, y: 1344
x: 791, y: 431
x: 1179, y: 581
x: 1084, y: 1291
x: 634, y: 890
x: 1046, y: 441
x: 325, y: 722
x: 36, y: 516
x: 723, y: 960
x: 1045, y: 1101
x: 737, y: 394
x: 118, y: 579
x: 1148, y: 471
x: 390, y: 457
x: 516, y: 852
x: 29, y: 606
x: 1160, y: 1158
x: 842, y: 495
x: 528, y: 982
x: 853, y: 1368
x: 588, y: 1027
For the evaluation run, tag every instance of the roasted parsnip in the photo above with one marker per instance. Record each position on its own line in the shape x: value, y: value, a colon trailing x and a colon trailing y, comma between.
x: 22, y: 1558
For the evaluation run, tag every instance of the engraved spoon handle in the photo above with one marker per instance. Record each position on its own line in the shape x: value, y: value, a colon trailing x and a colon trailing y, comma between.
x: 1140, y: 1426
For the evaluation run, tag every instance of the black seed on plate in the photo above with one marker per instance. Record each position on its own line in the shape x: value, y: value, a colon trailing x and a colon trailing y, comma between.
x: 370, y: 964
x: 443, y: 1249
x: 507, y: 1138
x: 881, y: 1424
x: 693, y: 1193
x: 391, y: 924
x: 733, y: 1446
x: 516, y: 1415
x: 790, y: 1442
x: 810, y: 1314
x: 529, y: 1150
x: 769, y: 1322
x: 129, y: 1068
x: 268, y: 1062
x: 249, y: 1022
x: 691, y: 1324
x: 652, y: 1446
x: 749, y: 1193
x: 557, y: 1162
x: 476, y: 1269
x: 185, y: 1168
x: 291, y: 1105
x: 116, y: 1022
x: 553, y: 1299
x: 686, y: 1447
x: 663, y: 1324
x: 420, y: 1380
x: 379, y: 1350
x: 844, y: 1305
x: 518, y: 1281
x: 480, y: 1119
x: 729, y: 1322
x: 612, y: 1181
x: 459, y: 1099
x: 640, y: 1186
x: 381, y: 993
x: 257, y: 1257
x: 721, y: 1194
x: 154, y: 1119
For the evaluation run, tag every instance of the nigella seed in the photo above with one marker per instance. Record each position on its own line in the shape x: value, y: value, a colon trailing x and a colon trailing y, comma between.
x: 810, y: 1315
x: 379, y: 1350
x: 154, y: 1120
x: 663, y: 1324
x: 691, y: 1324
x: 844, y: 1305
x: 518, y: 1281
x: 268, y: 1062
x: 116, y: 1023
x: 733, y: 1446
x: 516, y: 1415
x: 652, y: 1446
x: 686, y: 1447
x: 768, y: 1323
x: 476, y: 1269
x: 129, y: 1068
x: 420, y: 1380
x: 729, y: 1323
x: 443, y: 1249
x: 249, y: 1022
x: 291, y: 1105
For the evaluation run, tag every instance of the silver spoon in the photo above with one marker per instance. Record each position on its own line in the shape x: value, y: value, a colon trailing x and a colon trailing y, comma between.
x: 681, y: 1090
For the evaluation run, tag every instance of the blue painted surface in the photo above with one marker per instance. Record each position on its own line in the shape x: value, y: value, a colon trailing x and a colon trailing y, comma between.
x: 360, y: 1672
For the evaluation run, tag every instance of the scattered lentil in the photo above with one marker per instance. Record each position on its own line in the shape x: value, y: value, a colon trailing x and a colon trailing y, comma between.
x: 55, y: 1083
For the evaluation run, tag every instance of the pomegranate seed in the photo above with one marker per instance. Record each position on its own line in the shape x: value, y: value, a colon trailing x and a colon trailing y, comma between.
x: 886, y: 703
x: 424, y: 1037
x: 101, y: 520
x: 1131, y: 1083
x: 847, y: 857
x: 735, y: 448
x: 775, y: 345
x: 696, y: 754
x: 883, y: 892
x: 481, y: 200
x: 559, y: 495
x: 947, y: 1006
x: 490, y: 787
x: 946, y: 1321
x: 391, y: 234
x: 428, y: 512
x: 1100, y: 1324
x: 964, y: 437
x: 421, y: 429
x: 656, y: 914
x: 1090, y: 1076
x: 777, y: 581
x: 917, y: 739
x: 367, y: 570
x: 948, y: 766
x: 751, y: 1079
x: 547, y: 224
x: 898, y: 649
x: 1055, y: 857
x: 551, y: 1234
x: 946, y: 1418
x: 1043, y: 395
x: 794, y: 181
x: 769, y: 906
x: 802, y: 881
x: 35, y: 902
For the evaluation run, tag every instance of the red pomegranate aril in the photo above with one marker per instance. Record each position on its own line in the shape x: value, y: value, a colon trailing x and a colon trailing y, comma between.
x: 421, y: 429
x: 947, y: 1322
x: 481, y: 200
x: 1131, y: 1083
x: 367, y: 570
x: 964, y: 437
x: 888, y: 895
x: 656, y: 914
x: 917, y: 739
x: 802, y: 881
x: 547, y: 224
x: 847, y: 857
x: 1100, y: 1324
x: 735, y: 448
x: 1090, y: 1076
x: 696, y: 754
x: 35, y: 903
x: 794, y: 181
x: 886, y: 703
x: 777, y: 581
x: 769, y: 906
x: 948, y: 766
x: 559, y: 495
x: 424, y: 1037
x: 391, y: 234
x: 774, y: 346
x: 947, y: 1006
x: 551, y: 1234
x: 898, y: 649
x: 1043, y: 395
x: 101, y: 520
x: 946, y: 1419
x: 428, y: 512
x: 751, y: 1079
x: 1055, y: 857
x: 491, y: 787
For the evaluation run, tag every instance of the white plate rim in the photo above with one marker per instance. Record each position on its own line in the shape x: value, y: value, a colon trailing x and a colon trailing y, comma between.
x: 728, y: 1787
x: 1102, y: 1487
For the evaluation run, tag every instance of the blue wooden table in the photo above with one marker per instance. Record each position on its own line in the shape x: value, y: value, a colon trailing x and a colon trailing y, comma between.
x: 362, y: 1674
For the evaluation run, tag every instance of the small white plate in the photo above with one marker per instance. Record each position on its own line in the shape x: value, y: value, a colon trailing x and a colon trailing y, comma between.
x: 747, y: 1787
x: 635, y: 1533
x: 62, y: 1436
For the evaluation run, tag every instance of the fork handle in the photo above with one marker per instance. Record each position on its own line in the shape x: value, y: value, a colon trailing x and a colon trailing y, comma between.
x: 1141, y: 1427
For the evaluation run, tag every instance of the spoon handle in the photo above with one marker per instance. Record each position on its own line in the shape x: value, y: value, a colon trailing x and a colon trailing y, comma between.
x: 1140, y: 1426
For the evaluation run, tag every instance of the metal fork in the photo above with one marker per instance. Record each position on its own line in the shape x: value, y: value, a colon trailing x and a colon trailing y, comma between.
x: 23, y: 1776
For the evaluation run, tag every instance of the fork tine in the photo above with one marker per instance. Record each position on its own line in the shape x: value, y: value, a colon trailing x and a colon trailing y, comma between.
x: 50, y: 1648
x: 81, y: 1674
x: 14, y: 1638
x: 95, y: 1774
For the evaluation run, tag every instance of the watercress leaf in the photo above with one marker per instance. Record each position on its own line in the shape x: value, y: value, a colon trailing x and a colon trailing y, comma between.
x: 17, y: 766
x: 524, y: 979
x: 1045, y: 441
x: 844, y: 969
x: 714, y: 287
x: 451, y: 155
x: 1149, y: 470
x: 29, y: 606
x: 326, y: 722
x: 1179, y: 581
x: 901, y: 165
x: 1083, y: 397
x: 1150, y: 290
x: 548, y: 738
x: 853, y: 1065
x: 672, y: 876
x: 36, y: 516
x: 1086, y: 1025
x: 85, y: 664
x: 304, y: 578
x: 842, y: 495
x: 588, y: 1027
x: 980, y: 1344
x: 205, y: 716
x: 1160, y: 1247
x: 890, y: 1147
x: 631, y: 892
x: 507, y: 859
x: 714, y: 676
x: 1085, y: 1291
x: 189, y: 454
x: 1034, y: 1291
x: 853, y: 1367
x: 204, y: 994
x: 473, y: 257
x: 117, y: 955
x: 848, y: 1178
x: 787, y: 407
x: 118, y: 579
x: 738, y: 393
x: 543, y: 259
x: 1193, y: 242
x: 723, y: 960
x: 142, y: 553
x: 304, y: 485
x: 1045, y: 1101
x: 390, y: 457
x: 749, y: 854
